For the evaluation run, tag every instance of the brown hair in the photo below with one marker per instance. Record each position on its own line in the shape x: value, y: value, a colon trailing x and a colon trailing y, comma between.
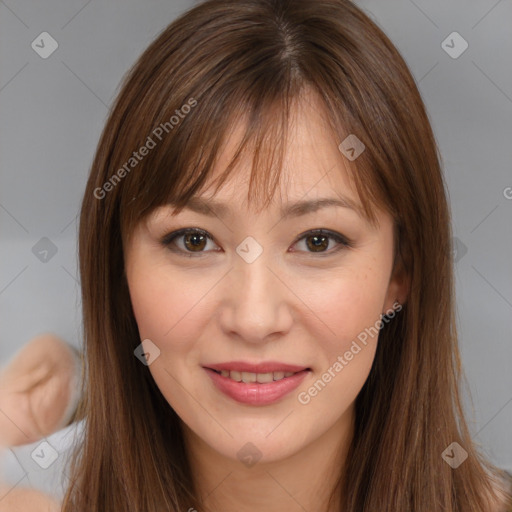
x: 225, y: 59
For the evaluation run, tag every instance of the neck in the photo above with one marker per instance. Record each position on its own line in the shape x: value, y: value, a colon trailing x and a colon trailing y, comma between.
x: 302, y: 482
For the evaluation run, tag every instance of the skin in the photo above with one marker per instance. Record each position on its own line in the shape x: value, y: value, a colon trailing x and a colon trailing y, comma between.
x: 290, y: 305
x: 34, y: 395
x: 21, y: 500
x: 35, y: 389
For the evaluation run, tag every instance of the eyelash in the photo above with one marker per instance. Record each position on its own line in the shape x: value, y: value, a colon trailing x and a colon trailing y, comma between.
x: 168, y: 240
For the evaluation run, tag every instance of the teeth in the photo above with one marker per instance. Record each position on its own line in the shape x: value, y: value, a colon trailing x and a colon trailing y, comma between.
x: 265, y: 377
x: 236, y: 376
x: 249, y: 377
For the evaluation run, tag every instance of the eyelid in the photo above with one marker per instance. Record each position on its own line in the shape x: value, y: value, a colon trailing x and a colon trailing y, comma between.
x: 169, y: 237
x: 342, y: 240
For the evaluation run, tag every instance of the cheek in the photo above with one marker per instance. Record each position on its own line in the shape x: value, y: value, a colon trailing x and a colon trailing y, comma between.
x: 168, y: 307
x: 167, y: 312
x: 347, y: 305
x: 349, y: 310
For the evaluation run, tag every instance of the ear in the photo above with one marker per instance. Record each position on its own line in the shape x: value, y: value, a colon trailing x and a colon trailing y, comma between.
x: 399, y: 285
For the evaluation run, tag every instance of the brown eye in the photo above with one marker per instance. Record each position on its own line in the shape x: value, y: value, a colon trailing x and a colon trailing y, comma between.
x: 194, y: 241
x: 317, y: 241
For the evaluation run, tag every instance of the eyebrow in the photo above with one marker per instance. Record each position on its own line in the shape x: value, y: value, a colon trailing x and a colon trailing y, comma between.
x: 214, y: 208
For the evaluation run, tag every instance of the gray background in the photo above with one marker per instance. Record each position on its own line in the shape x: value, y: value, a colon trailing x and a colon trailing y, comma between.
x: 52, y: 111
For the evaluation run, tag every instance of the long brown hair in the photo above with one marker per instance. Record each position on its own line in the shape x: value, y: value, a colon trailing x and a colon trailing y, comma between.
x: 217, y: 62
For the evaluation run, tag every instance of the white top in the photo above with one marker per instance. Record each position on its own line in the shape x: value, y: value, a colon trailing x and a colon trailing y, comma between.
x: 42, y: 465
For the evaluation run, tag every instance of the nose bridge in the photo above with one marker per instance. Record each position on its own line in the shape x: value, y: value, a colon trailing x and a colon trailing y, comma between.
x: 256, y: 300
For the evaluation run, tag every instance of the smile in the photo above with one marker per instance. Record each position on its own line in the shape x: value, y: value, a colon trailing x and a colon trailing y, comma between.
x: 266, y: 384
x: 249, y: 377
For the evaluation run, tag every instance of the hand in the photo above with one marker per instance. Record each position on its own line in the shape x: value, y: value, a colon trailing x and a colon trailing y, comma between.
x: 38, y: 391
x: 38, y: 388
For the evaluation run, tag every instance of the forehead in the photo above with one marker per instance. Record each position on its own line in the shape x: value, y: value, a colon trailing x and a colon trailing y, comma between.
x: 313, y: 166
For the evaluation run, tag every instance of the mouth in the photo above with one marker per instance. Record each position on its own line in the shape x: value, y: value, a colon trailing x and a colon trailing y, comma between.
x: 251, y: 377
x: 256, y: 384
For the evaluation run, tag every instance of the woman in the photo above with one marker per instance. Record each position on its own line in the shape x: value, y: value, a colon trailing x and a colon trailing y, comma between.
x: 237, y: 356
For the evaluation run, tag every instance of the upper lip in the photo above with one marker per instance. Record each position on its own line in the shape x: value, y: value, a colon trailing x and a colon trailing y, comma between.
x: 263, y: 367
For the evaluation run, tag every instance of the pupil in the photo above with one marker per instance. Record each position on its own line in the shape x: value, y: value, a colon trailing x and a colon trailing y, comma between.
x: 195, y: 238
x: 319, y: 242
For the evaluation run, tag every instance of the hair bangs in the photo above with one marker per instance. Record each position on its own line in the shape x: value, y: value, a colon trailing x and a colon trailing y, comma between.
x: 183, y: 164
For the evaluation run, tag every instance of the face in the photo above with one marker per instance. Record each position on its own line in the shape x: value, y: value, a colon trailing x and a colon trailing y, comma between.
x: 265, y: 296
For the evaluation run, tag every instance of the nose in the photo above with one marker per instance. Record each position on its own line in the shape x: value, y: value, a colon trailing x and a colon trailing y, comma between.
x: 256, y: 306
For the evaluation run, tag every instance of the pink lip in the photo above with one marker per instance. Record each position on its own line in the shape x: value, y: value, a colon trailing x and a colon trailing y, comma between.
x: 255, y: 393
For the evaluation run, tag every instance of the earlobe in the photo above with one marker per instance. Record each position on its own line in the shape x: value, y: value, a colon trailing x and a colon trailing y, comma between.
x: 398, y: 288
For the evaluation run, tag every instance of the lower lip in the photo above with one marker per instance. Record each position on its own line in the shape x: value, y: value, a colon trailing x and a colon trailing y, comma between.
x: 254, y: 393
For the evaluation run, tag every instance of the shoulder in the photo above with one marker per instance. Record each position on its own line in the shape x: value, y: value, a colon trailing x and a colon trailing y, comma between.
x: 19, y: 499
